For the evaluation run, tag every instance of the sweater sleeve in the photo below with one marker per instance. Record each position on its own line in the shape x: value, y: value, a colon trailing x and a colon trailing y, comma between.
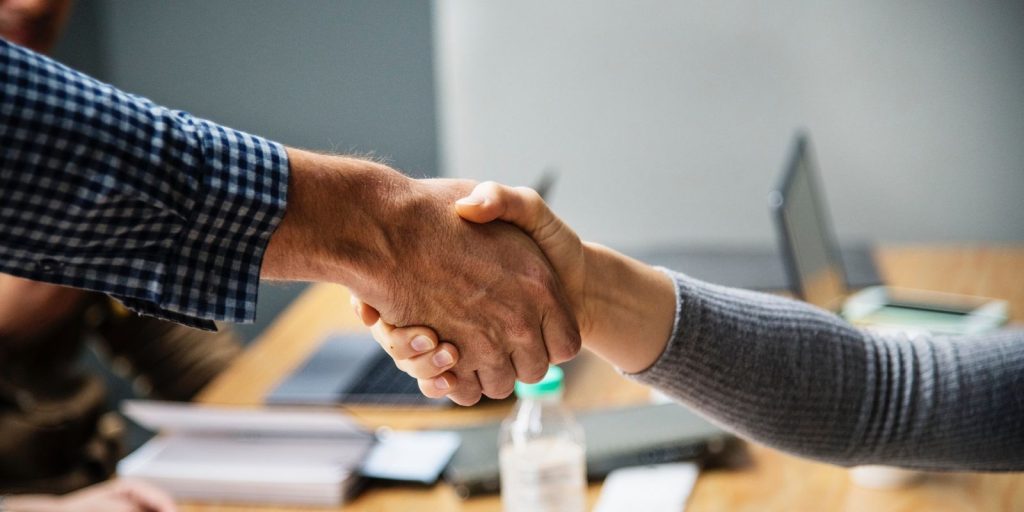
x: 800, y: 379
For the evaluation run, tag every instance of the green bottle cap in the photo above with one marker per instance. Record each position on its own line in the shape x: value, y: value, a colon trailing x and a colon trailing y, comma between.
x: 550, y: 384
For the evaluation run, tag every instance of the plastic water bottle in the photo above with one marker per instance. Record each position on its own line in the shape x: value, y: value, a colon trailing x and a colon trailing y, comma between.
x: 542, y: 452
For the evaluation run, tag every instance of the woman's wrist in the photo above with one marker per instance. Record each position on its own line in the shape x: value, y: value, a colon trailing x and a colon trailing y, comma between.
x: 631, y: 307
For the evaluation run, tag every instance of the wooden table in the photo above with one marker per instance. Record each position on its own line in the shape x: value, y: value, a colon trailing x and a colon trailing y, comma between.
x: 772, y: 480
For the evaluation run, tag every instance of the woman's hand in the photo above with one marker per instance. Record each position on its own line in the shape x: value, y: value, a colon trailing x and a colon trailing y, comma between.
x: 416, y: 351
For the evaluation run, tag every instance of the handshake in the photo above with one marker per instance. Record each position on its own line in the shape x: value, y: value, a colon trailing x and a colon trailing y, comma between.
x: 545, y: 330
x: 468, y: 287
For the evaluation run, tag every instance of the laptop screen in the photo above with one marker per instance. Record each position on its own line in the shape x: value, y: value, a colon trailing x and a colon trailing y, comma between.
x: 808, y: 244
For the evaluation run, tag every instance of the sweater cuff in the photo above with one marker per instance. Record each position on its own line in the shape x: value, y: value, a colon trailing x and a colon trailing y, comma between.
x: 684, y: 330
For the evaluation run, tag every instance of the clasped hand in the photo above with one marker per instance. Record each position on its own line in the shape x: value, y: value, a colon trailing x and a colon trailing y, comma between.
x: 402, y: 249
x: 434, y: 362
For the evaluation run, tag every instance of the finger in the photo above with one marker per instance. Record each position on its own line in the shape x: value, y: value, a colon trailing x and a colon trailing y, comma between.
x: 117, y: 505
x: 430, y: 364
x: 404, y: 342
x: 438, y: 387
x: 498, y: 381
x: 364, y: 312
x: 468, y: 390
x: 147, y: 496
x: 561, y: 334
x: 521, y: 206
x: 529, y: 368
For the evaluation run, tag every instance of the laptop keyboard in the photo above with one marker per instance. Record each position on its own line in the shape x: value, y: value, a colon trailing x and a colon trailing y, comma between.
x: 383, y: 383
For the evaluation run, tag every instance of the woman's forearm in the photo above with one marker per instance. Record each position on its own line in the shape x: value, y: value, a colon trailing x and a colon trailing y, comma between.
x: 631, y: 307
x: 801, y: 379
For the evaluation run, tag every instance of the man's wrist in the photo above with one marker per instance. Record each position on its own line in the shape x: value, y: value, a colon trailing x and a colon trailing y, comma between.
x: 334, y: 224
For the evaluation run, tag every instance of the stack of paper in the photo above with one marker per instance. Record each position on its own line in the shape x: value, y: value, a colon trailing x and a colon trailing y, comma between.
x: 248, y: 456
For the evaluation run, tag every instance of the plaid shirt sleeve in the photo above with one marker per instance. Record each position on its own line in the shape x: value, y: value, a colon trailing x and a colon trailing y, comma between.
x: 107, y: 191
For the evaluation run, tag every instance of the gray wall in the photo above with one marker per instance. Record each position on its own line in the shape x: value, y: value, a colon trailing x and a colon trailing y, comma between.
x: 338, y: 76
x: 670, y: 120
x: 327, y: 75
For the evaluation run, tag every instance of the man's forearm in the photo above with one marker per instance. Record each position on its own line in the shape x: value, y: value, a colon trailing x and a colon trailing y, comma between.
x: 343, y: 196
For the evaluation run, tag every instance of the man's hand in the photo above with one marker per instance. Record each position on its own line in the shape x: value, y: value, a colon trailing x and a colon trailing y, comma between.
x: 488, y: 202
x: 399, y: 245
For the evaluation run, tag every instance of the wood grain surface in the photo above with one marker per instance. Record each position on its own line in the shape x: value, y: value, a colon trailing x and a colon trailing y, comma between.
x: 769, y: 481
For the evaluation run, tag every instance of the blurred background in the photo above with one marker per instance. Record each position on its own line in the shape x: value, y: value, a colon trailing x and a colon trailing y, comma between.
x: 668, y: 122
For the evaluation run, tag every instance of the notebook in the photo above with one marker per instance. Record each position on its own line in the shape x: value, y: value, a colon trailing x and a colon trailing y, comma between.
x: 275, y: 455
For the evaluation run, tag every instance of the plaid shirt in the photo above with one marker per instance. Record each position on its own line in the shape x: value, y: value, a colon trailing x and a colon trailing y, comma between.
x: 107, y: 191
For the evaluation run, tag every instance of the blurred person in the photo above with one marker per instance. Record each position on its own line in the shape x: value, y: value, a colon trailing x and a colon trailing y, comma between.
x: 781, y: 372
x: 114, y: 496
x: 58, y: 435
x: 58, y: 432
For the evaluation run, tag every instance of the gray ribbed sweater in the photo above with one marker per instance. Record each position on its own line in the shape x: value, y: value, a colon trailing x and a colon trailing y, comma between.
x: 795, y: 377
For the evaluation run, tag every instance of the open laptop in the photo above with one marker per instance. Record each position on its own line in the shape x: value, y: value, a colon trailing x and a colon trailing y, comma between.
x: 814, y: 265
x: 350, y: 369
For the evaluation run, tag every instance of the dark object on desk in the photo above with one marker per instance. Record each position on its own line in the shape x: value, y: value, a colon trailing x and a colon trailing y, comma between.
x: 753, y: 268
x: 616, y: 438
x: 803, y: 223
x: 350, y: 369
x: 816, y: 272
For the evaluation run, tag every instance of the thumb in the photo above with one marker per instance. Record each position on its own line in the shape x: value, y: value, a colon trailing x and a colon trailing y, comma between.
x: 481, y: 206
x: 520, y: 206
x: 364, y: 312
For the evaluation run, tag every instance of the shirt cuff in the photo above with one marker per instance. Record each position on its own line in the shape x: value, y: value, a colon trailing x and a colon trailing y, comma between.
x: 212, y: 271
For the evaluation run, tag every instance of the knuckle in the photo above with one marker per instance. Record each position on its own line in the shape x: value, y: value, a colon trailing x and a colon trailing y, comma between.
x: 534, y: 372
x: 428, y: 390
x: 539, y: 281
x: 402, y: 365
x: 421, y: 371
x: 565, y: 348
x: 460, y: 399
x: 500, y: 395
x: 528, y: 194
x: 490, y: 186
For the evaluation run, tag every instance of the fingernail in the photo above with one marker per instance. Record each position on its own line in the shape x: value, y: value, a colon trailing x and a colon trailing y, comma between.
x: 442, y: 359
x: 470, y: 200
x: 421, y: 343
x: 440, y: 383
